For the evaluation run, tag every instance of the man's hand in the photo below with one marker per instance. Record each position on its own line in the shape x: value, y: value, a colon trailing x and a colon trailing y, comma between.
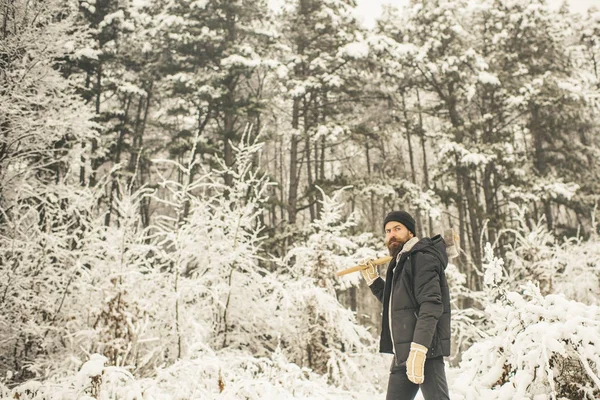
x: 415, y: 365
x: 370, y: 273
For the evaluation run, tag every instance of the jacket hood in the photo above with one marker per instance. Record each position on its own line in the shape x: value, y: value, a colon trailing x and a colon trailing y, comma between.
x: 436, y: 244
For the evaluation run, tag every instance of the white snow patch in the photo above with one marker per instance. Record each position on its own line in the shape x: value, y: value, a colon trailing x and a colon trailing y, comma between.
x: 355, y: 50
x: 129, y: 87
x: 93, y: 367
x: 199, y: 4
x: 87, y: 52
x: 488, y: 79
x: 237, y: 60
x: 476, y: 159
x: 110, y: 18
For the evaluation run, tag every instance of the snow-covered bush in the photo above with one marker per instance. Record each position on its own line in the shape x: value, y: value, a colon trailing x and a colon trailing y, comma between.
x: 578, y: 276
x: 41, y: 232
x: 226, y: 374
x: 318, y: 331
x: 536, y: 346
x: 214, y: 293
x: 466, y: 321
x: 329, y: 246
x: 94, y: 380
x: 232, y: 375
x: 141, y: 297
x: 570, y: 266
x: 76, y: 287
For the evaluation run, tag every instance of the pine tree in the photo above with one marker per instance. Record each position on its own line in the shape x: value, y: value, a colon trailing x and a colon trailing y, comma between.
x: 216, y: 48
x: 323, y: 85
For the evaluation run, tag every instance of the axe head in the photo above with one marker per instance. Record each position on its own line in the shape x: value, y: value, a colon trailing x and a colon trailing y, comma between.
x: 452, y: 242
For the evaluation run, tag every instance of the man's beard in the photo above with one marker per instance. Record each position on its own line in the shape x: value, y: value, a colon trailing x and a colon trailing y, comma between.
x: 394, y: 246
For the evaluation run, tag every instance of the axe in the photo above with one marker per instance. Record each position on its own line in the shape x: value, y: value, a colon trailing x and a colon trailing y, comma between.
x: 377, y: 261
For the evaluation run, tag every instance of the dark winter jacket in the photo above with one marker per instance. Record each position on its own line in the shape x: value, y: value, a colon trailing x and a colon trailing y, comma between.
x: 420, y: 302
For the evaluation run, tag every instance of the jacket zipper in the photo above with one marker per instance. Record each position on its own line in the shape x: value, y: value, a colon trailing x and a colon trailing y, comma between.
x: 390, y: 311
x: 390, y: 322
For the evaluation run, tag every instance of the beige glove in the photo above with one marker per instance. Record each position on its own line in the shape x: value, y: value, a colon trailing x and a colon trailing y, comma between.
x: 371, y: 273
x: 415, y: 365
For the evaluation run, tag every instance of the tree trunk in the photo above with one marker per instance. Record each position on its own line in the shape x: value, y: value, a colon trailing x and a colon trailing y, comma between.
x: 413, y: 172
x: 145, y: 203
x: 307, y: 154
x: 321, y: 174
x: 280, y: 152
x: 474, y: 219
x: 94, y: 162
x: 372, y: 200
x: 489, y: 190
x: 5, y: 22
x: 549, y: 216
x: 135, y: 146
x: 410, y: 149
x: 462, y: 265
x: 227, y: 145
x: 117, y: 159
x: 424, y: 151
x: 540, y: 162
x: 294, y: 173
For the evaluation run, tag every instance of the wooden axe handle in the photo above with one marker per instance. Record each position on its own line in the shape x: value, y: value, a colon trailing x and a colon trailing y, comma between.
x: 350, y: 270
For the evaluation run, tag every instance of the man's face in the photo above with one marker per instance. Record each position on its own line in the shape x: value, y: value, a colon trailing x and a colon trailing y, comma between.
x: 396, y: 235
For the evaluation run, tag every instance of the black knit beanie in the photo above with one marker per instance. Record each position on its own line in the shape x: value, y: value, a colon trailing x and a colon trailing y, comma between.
x: 403, y: 217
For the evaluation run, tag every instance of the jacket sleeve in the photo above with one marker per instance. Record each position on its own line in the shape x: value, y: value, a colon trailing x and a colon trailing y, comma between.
x: 377, y: 288
x: 428, y: 294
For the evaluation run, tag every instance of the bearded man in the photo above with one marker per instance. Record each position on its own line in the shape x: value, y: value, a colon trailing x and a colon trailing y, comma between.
x: 416, y: 310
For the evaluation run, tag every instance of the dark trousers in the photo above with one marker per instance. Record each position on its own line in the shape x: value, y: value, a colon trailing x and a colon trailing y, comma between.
x: 434, y: 386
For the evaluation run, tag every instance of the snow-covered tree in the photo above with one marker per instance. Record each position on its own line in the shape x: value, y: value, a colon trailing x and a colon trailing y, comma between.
x: 41, y: 116
x: 484, y: 74
x: 43, y: 124
x: 322, y: 40
x: 214, y: 67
